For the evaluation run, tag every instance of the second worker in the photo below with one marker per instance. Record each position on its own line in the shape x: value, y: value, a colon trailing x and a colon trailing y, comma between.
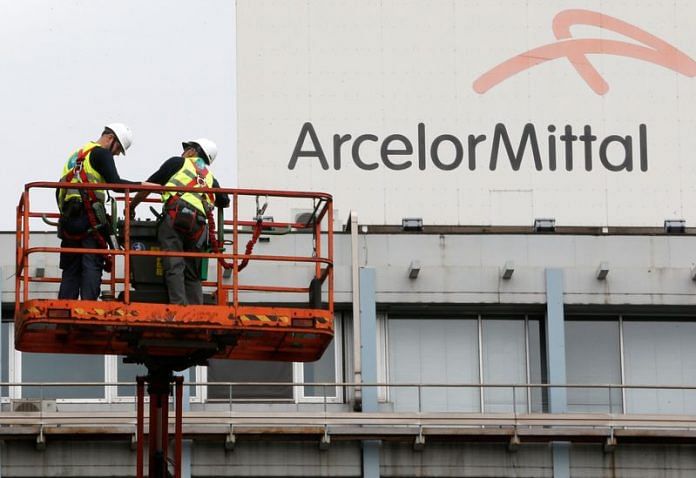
x: 183, y: 226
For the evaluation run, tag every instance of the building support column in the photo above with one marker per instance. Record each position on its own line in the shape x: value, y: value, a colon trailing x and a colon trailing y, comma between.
x: 561, y: 459
x: 368, y: 352
x: 186, y: 443
x: 555, y: 340
x: 556, y: 364
x: 370, y: 458
x: 355, y: 288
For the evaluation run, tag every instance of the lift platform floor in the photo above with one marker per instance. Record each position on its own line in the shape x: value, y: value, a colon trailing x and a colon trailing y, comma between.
x: 164, y: 330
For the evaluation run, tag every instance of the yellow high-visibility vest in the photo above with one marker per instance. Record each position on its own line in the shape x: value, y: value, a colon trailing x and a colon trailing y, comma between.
x: 70, y: 170
x: 194, y: 173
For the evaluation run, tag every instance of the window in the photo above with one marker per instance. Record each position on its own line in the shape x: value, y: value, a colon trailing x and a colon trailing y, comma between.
x: 39, y: 367
x: 326, y: 369
x: 434, y: 350
x: 593, y: 357
x: 249, y: 371
x: 504, y: 356
x: 660, y: 353
x: 128, y: 372
x: 323, y: 370
x: 446, y: 351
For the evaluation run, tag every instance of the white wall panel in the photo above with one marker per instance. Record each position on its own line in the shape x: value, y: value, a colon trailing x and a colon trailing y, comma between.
x: 408, y: 68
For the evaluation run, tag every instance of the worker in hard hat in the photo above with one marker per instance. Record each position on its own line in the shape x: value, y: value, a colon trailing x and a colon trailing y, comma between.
x: 83, y: 222
x: 184, y: 222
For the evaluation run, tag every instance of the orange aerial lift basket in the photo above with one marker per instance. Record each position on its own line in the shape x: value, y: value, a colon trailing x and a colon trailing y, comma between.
x: 243, y: 316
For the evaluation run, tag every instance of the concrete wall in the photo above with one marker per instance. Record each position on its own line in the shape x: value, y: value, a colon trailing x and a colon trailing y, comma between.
x: 287, y: 459
x: 466, y: 268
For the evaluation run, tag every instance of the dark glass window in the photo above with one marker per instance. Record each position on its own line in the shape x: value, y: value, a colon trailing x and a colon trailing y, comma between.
x: 37, y: 367
x: 249, y: 371
x: 593, y: 357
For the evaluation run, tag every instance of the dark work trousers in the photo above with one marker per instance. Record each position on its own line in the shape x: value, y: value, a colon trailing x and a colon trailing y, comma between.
x: 182, y: 274
x: 81, y: 272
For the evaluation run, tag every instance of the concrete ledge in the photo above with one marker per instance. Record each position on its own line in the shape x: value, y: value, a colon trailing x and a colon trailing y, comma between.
x: 541, y: 427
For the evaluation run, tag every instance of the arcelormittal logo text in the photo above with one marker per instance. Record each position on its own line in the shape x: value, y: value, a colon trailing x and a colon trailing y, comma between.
x: 569, y: 147
x: 649, y: 48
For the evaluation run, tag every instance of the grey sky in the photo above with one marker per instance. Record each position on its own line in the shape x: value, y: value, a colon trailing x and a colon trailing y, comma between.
x: 164, y: 67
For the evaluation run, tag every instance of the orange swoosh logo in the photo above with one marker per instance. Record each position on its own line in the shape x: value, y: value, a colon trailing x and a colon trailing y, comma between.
x: 649, y: 48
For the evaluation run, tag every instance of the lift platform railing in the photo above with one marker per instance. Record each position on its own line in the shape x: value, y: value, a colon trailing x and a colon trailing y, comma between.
x: 318, y: 223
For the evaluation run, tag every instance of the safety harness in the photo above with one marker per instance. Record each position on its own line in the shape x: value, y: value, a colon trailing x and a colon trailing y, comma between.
x: 215, y: 242
x: 256, y: 232
x: 206, y: 199
x: 89, y: 198
x: 174, y: 210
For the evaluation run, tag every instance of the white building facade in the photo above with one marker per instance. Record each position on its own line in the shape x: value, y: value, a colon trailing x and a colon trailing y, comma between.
x: 436, y: 345
x: 469, y: 343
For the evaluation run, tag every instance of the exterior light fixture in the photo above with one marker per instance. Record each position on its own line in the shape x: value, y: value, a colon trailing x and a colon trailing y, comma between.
x: 414, y: 269
x: 508, y: 269
x: 544, y: 225
x: 230, y: 440
x: 412, y: 224
x: 675, y: 226
x: 325, y: 442
x: 514, y: 443
x: 602, y: 270
x: 610, y: 444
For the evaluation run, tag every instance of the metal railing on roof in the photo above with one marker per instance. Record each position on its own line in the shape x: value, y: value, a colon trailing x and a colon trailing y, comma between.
x: 518, y: 394
x: 323, y: 420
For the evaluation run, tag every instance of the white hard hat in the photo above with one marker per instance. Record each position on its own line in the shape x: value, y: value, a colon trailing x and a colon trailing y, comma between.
x: 209, y: 148
x: 123, y: 134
